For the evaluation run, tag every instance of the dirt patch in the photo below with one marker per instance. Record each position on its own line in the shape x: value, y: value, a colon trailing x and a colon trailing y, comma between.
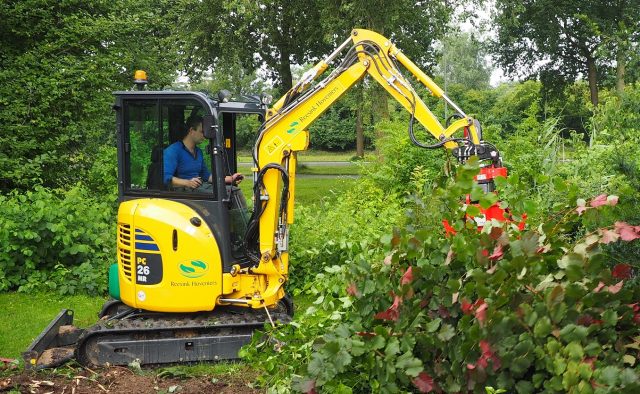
x: 122, y: 380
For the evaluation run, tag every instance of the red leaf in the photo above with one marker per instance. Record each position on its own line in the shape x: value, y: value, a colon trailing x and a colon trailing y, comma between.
x: 424, y: 382
x: 447, y: 228
x: 443, y: 312
x: 598, y: 201
x: 480, y: 310
x: 308, y: 387
x: 497, y: 253
x: 488, y: 355
x: 523, y: 223
x: 392, y: 313
x: 591, y: 361
x: 608, y: 236
x: 627, y: 232
x: 581, y: 210
x: 352, y: 290
x: 543, y: 249
x: 615, y: 288
x: 407, y: 277
x: 622, y: 271
x: 466, y: 307
x: 586, y: 320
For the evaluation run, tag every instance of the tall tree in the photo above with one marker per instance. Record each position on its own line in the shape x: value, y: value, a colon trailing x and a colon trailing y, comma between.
x: 561, y: 40
x: 275, y: 34
x: 463, y: 61
x: 59, y: 63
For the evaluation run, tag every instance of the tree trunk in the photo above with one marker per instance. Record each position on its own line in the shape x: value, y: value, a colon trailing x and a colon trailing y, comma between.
x: 285, y: 70
x: 620, y: 71
x: 592, y: 75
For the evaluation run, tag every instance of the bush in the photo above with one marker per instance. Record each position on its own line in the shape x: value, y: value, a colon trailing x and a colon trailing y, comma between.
x: 55, y: 240
x: 538, y: 310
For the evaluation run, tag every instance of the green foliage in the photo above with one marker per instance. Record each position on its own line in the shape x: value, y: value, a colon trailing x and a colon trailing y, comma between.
x: 463, y: 61
x: 55, y: 240
x: 537, y: 310
x: 562, y: 41
x: 59, y: 63
x: 334, y: 130
x: 349, y: 223
x: 357, y: 219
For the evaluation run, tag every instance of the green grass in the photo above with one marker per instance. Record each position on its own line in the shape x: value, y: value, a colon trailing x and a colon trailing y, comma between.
x: 312, y: 155
x: 310, y: 190
x: 24, y: 316
x: 306, y: 169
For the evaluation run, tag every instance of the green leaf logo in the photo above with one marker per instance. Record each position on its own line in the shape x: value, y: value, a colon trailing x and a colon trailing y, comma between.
x: 193, y: 269
x: 293, y: 127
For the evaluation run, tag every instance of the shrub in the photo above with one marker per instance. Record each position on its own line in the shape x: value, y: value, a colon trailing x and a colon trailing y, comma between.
x: 534, y: 310
x: 55, y: 240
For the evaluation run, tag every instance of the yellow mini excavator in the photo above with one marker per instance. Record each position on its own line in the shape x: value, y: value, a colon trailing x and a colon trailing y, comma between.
x: 196, y: 273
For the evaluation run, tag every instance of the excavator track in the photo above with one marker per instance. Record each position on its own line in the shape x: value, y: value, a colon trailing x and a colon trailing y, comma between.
x: 151, y: 338
x: 147, y: 338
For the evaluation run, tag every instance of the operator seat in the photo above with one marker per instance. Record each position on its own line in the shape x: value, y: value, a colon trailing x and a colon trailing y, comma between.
x: 154, y: 173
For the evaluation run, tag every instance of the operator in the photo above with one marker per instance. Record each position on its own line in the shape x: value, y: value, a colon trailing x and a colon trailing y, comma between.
x: 184, y: 164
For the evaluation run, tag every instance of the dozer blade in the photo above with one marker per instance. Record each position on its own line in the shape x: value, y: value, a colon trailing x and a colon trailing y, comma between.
x: 55, y: 345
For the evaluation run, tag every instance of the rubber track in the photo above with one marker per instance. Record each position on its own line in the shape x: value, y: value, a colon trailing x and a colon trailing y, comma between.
x: 142, y: 326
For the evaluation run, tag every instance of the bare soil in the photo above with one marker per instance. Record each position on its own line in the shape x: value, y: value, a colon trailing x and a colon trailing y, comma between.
x: 120, y: 380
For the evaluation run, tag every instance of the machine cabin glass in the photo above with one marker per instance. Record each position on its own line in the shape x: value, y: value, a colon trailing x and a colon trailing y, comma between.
x: 164, y: 140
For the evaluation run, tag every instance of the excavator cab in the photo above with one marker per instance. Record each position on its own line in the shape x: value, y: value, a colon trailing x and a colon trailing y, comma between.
x: 175, y: 244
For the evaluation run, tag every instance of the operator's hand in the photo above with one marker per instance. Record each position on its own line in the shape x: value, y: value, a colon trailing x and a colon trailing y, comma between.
x: 193, y: 183
x: 234, y: 179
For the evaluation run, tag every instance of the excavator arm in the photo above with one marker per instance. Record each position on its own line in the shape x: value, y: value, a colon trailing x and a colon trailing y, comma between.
x: 284, y: 133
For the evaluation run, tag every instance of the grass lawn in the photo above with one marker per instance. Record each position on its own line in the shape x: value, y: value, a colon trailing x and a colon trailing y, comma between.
x: 309, y: 190
x: 313, y: 155
x: 307, y: 169
x: 24, y: 316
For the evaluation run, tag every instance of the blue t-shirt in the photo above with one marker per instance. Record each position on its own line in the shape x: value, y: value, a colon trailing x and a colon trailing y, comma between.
x: 179, y: 162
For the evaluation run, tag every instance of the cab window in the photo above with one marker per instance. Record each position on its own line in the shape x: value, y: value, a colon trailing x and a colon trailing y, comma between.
x: 151, y: 127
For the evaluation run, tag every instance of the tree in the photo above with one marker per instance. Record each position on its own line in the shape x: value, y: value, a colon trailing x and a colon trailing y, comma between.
x: 463, y: 61
x: 59, y: 63
x: 274, y: 34
x: 562, y: 40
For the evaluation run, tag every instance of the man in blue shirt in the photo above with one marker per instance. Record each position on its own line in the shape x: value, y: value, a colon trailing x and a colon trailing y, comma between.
x: 184, y: 164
